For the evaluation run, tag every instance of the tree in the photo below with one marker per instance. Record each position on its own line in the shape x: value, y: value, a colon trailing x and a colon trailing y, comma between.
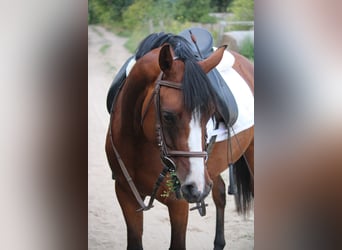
x: 137, y: 13
x: 141, y: 11
x: 219, y: 5
x: 193, y: 11
x: 243, y: 10
x: 106, y: 11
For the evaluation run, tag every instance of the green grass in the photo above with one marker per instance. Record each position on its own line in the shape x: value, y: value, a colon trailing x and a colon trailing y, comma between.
x: 97, y: 31
x: 104, y: 48
x: 247, y: 49
x: 111, y: 68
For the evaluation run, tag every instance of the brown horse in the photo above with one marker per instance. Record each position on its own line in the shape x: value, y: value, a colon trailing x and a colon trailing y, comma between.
x: 158, y: 125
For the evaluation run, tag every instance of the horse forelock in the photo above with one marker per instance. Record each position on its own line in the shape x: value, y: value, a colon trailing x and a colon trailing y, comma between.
x: 197, y: 89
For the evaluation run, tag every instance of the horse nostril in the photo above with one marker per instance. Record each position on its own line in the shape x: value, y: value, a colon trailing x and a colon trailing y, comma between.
x: 190, y: 192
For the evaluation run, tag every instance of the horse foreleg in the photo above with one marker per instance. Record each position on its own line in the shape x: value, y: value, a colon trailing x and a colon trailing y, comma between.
x: 219, y: 197
x: 134, y: 219
x: 178, y: 212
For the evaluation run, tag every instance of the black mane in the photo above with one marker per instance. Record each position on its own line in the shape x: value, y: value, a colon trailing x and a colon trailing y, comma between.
x: 197, y: 89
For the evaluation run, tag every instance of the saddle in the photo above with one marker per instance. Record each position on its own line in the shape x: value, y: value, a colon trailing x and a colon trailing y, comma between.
x: 116, y: 85
x: 227, y: 105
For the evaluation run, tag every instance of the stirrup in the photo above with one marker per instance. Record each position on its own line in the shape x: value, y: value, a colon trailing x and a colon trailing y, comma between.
x: 232, y: 188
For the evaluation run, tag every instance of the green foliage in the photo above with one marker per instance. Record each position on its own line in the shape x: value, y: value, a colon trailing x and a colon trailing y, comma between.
x: 106, y: 11
x: 104, y: 48
x: 136, y: 13
x: 193, y: 11
x: 135, y: 37
x: 141, y: 11
x: 207, y: 19
x: 172, y: 184
x: 176, y: 27
x: 136, y: 19
x: 131, y: 12
x: 219, y: 5
x: 247, y: 49
x: 142, y: 30
x: 243, y: 10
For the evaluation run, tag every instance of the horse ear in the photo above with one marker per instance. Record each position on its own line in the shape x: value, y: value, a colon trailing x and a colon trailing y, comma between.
x: 165, y: 59
x: 213, y: 60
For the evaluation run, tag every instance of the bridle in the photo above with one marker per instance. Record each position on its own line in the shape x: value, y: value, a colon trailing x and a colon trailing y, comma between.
x: 165, y: 154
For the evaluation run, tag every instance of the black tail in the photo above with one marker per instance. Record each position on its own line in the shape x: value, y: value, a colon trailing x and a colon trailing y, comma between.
x: 244, y: 183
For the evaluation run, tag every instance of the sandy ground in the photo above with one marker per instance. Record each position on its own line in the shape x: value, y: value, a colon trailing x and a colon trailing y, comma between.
x: 107, y: 229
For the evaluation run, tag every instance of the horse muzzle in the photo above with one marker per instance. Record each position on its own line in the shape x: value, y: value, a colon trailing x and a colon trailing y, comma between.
x: 192, y: 194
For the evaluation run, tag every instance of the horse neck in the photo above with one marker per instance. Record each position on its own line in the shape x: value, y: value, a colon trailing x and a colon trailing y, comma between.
x: 132, y: 96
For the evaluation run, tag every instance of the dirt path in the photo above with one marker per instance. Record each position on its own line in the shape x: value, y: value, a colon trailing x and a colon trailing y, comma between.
x: 107, y: 229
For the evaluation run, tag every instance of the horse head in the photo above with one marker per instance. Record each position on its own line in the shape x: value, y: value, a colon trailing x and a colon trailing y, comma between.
x: 184, y: 102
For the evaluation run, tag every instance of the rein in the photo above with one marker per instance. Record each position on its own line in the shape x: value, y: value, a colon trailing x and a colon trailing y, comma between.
x: 165, y: 153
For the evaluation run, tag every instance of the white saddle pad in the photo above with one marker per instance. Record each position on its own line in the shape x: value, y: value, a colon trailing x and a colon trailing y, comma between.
x: 243, y: 96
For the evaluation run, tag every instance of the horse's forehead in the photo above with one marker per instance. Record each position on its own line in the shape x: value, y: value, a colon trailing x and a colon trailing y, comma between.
x: 172, y: 99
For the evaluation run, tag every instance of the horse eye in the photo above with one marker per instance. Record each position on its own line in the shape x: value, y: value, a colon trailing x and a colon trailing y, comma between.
x: 168, y: 117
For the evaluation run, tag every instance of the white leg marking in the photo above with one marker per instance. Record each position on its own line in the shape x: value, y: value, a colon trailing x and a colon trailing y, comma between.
x: 196, y: 174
